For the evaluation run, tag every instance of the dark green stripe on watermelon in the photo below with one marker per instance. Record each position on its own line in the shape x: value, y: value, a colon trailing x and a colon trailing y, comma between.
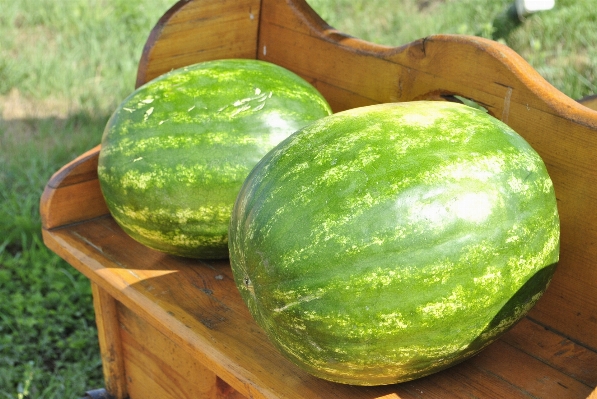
x: 385, y: 243
x: 176, y: 152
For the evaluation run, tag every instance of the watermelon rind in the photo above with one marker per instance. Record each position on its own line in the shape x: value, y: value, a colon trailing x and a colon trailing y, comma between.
x: 389, y: 242
x: 175, y: 152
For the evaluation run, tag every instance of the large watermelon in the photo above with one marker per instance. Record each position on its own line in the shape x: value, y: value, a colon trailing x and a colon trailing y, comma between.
x: 385, y: 243
x: 176, y: 151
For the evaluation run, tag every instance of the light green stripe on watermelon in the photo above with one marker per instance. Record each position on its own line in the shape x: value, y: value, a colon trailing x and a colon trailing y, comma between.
x: 176, y: 151
x: 382, y: 244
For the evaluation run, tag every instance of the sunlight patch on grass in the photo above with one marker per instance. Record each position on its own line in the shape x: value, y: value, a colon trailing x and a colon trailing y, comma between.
x: 15, y: 106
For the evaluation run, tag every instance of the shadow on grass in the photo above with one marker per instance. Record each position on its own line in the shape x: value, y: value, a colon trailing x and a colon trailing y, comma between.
x: 48, y: 338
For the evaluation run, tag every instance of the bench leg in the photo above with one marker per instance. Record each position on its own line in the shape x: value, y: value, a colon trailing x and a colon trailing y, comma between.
x: 106, y: 316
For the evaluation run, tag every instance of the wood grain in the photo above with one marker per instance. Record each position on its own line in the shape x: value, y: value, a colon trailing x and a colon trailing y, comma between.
x: 539, y: 379
x: 551, y: 348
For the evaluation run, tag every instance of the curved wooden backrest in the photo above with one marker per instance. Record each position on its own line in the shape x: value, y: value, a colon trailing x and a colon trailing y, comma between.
x: 350, y: 73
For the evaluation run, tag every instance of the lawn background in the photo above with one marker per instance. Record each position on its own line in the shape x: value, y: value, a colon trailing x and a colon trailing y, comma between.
x: 66, y: 64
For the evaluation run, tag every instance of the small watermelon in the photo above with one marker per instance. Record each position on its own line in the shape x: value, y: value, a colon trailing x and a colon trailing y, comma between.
x: 176, y: 151
x: 386, y: 243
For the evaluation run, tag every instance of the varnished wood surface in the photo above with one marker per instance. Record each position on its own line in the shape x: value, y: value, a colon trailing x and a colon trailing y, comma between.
x: 193, y: 306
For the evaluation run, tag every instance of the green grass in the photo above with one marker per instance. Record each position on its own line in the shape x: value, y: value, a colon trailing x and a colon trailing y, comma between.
x: 65, y: 65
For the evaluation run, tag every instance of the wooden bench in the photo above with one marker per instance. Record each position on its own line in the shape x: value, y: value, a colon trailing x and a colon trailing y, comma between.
x: 177, y: 328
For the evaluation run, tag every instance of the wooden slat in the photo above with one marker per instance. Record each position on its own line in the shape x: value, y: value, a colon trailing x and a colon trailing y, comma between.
x: 108, y: 331
x: 539, y: 379
x: 551, y: 348
x: 196, y: 31
x: 568, y: 305
x: 465, y: 381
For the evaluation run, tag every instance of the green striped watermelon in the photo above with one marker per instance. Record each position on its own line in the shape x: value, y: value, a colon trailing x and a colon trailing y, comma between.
x: 385, y: 243
x: 176, y: 152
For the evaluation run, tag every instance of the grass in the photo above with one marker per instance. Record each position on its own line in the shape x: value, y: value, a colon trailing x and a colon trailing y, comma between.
x: 64, y: 66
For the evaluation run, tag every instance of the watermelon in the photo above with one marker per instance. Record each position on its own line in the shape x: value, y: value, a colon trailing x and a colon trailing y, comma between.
x: 175, y: 153
x: 386, y: 243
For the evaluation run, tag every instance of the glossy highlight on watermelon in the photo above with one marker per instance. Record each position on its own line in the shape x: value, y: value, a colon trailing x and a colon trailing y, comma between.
x: 176, y: 151
x: 386, y: 243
